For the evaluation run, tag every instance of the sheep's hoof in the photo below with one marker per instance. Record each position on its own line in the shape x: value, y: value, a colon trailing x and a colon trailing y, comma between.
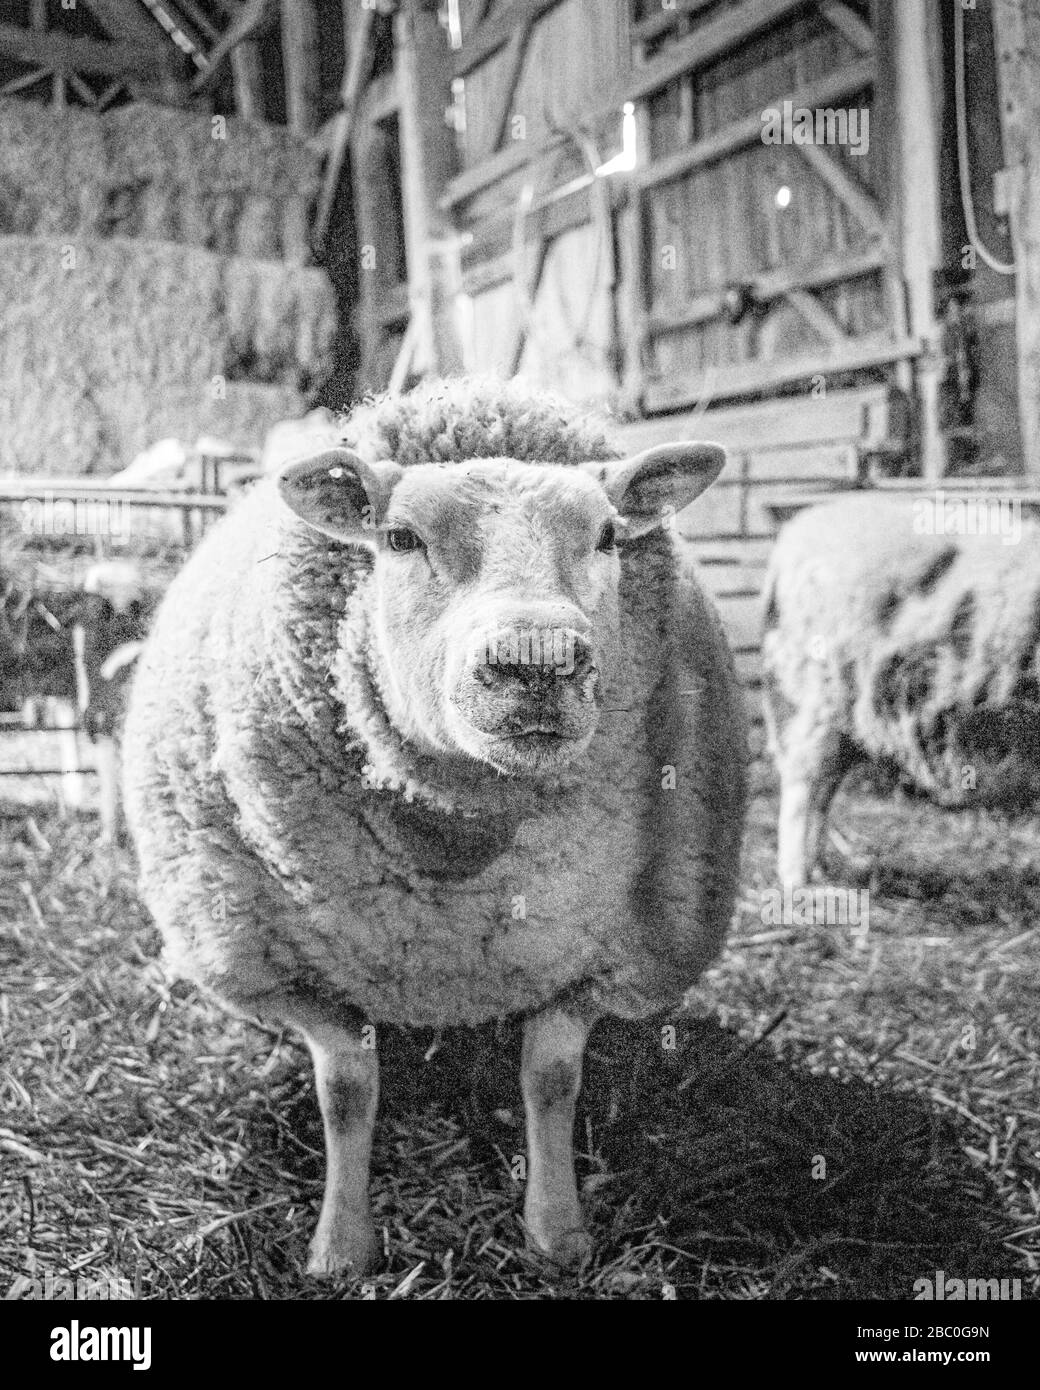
x: 571, y: 1249
x: 348, y: 1251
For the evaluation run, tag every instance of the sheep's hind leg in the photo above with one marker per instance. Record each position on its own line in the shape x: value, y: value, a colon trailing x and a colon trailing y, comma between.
x: 550, y: 1076
x: 810, y: 775
x: 346, y: 1073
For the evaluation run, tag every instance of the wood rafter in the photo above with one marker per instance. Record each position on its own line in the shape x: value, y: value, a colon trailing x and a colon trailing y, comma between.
x: 255, y: 15
x: 748, y: 129
x: 665, y: 19
x: 711, y: 41
x: 514, y: 62
x: 126, y: 19
x: 861, y: 204
x: 529, y: 294
x: 355, y: 69
x: 816, y: 316
x: 22, y: 83
x: 774, y: 284
x: 848, y: 23
x: 63, y: 53
x: 497, y: 30
x: 855, y: 355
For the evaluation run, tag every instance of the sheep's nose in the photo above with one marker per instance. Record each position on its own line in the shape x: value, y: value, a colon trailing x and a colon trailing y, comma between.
x: 537, y: 661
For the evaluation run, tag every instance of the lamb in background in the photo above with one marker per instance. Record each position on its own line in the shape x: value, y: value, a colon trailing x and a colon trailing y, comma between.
x: 431, y: 730
x: 894, y: 641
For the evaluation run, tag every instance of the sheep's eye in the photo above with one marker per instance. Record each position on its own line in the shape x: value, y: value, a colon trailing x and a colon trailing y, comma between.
x: 399, y: 538
x: 607, y: 537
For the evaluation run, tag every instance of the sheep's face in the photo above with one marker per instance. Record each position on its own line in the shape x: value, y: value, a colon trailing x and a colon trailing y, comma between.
x: 495, y: 587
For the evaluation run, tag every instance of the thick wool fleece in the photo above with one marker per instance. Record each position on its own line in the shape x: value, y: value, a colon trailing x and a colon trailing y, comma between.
x: 922, y: 649
x: 295, y: 851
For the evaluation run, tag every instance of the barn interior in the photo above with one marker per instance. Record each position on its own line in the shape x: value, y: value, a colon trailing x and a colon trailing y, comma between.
x: 219, y: 215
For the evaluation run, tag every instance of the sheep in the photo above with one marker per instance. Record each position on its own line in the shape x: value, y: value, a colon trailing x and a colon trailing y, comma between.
x: 902, y: 632
x: 432, y: 730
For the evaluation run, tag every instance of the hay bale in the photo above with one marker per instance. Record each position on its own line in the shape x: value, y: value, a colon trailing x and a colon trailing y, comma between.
x: 109, y: 345
x: 230, y: 194
x: 82, y: 319
x: 281, y: 321
x: 52, y: 170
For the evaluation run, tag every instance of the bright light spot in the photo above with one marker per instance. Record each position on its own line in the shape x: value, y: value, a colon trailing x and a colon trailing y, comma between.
x: 625, y: 159
x: 783, y: 196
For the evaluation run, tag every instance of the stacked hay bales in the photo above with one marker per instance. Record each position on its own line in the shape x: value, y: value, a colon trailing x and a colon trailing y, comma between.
x: 231, y: 186
x: 152, y: 284
x: 52, y: 171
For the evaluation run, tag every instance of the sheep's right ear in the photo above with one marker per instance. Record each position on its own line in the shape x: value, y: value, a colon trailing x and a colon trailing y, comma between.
x: 338, y: 493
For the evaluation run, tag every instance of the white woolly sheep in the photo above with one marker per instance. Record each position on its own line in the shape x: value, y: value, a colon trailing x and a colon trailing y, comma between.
x: 905, y: 632
x: 443, y: 735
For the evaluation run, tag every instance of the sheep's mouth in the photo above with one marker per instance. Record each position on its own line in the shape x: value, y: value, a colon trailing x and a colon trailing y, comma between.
x: 536, y: 751
x: 539, y: 733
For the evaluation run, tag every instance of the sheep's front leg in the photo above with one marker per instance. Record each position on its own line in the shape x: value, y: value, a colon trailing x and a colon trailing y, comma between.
x: 346, y: 1074
x: 550, y: 1076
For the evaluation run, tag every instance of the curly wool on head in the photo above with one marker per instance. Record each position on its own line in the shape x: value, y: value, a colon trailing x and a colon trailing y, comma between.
x: 451, y: 421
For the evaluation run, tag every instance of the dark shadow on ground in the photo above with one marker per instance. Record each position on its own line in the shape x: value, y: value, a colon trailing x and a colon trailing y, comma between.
x: 710, y: 1150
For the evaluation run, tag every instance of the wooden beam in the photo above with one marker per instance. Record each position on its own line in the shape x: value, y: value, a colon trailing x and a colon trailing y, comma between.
x: 700, y: 48
x: 666, y: 18
x: 748, y: 130
x: 848, y: 23
x: 428, y: 160
x: 529, y: 293
x: 357, y: 63
x: 520, y: 152
x: 129, y: 20
x: 855, y: 197
x: 60, y: 51
x: 197, y: 18
x: 752, y: 377
x: 82, y: 90
x: 255, y: 15
x: 510, y: 79
x: 917, y: 72
x: 20, y: 84
x: 404, y: 359
x: 1017, y: 31
x: 550, y: 216
x: 300, y: 63
x: 816, y: 316
x: 775, y: 284
x: 496, y: 32
x: 710, y: 41
x: 247, y: 74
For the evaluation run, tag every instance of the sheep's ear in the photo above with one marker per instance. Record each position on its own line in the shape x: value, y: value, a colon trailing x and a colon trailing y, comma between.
x: 652, y: 486
x: 338, y: 493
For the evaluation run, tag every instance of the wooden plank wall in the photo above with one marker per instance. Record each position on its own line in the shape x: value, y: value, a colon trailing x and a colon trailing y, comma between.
x: 724, y: 222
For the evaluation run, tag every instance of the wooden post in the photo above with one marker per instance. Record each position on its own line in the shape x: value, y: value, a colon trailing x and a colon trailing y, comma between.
x: 300, y: 61
x: 428, y: 161
x: 917, y: 90
x: 248, y: 77
x: 357, y: 62
x: 1016, y: 26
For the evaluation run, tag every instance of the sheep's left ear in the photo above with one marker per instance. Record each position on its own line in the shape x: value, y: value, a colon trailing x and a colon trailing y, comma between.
x: 652, y: 486
x: 339, y: 494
